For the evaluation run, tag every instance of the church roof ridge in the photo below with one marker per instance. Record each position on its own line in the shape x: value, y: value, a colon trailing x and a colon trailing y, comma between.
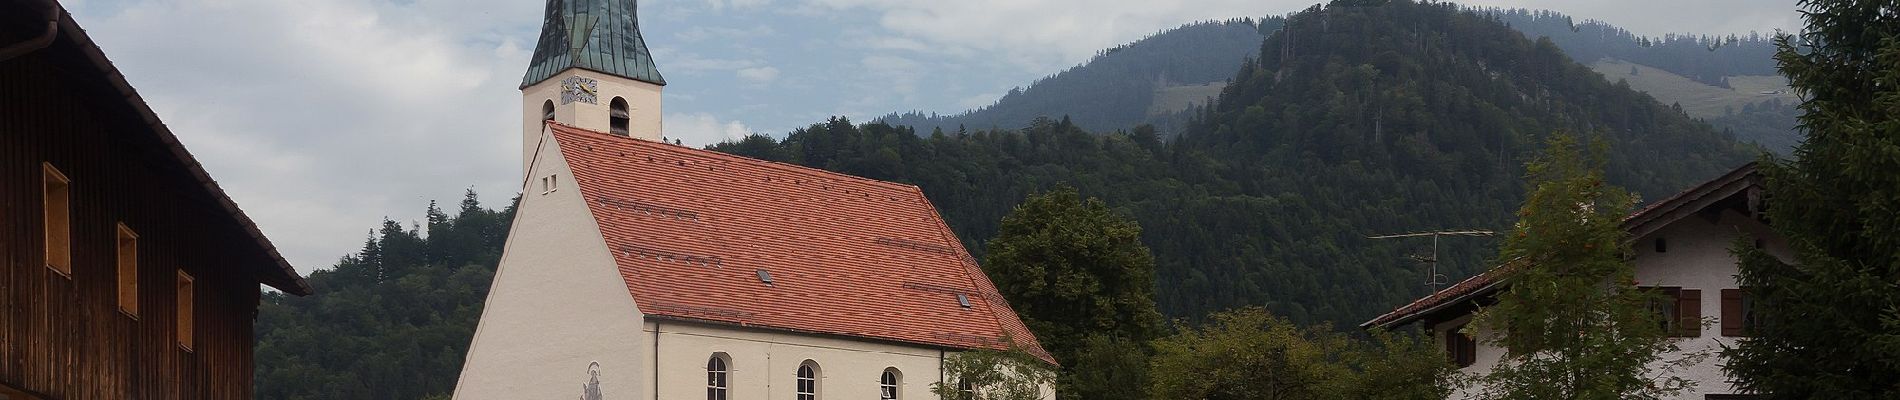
x: 596, y: 35
x: 787, y: 167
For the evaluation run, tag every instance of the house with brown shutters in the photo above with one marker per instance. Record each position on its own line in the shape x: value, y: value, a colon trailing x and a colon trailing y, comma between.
x: 125, y: 270
x: 1681, y: 248
x: 640, y: 269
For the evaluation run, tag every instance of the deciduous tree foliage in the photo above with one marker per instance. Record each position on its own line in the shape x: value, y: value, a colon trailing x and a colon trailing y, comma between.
x: 1248, y: 354
x: 1831, y: 321
x: 1077, y: 274
x: 1572, y: 322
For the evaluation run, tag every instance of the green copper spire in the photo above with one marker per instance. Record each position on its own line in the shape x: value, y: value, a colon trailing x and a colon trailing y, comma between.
x: 597, y: 35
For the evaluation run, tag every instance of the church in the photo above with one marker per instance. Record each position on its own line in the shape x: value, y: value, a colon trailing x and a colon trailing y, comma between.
x: 638, y: 269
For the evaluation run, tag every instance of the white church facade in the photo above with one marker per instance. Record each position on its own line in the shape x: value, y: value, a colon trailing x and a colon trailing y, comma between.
x: 637, y: 269
x: 1681, y: 247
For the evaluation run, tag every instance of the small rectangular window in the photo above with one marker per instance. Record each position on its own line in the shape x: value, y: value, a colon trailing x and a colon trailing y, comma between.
x: 57, y: 198
x: 1738, y: 313
x: 1678, y: 311
x: 128, y: 271
x: 1462, y: 348
x: 185, y: 321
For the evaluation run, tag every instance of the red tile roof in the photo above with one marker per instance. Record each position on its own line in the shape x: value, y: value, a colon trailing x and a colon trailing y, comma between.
x: 690, y: 229
x: 1639, y: 223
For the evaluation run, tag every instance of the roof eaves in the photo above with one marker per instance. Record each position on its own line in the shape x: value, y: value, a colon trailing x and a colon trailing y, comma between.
x: 1638, y: 223
x: 290, y: 282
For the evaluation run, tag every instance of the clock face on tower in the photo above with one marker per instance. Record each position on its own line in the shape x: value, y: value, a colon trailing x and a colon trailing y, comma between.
x: 580, y: 89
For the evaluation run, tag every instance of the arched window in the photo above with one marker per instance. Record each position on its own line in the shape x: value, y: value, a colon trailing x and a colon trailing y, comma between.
x: 808, y: 381
x: 887, y: 384
x: 716, y: 371
x: 547, y: 110
x: 619, y: 117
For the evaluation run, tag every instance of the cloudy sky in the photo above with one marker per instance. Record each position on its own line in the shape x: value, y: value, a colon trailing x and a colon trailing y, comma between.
x: 323, y: 117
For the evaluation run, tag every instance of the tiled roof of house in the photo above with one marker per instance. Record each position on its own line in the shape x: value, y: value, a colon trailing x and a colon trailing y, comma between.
x: 1639, y: 223
x: 693, y: 231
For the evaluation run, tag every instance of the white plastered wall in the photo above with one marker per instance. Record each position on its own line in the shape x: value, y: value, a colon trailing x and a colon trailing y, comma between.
x: 643, y: 106
x: 1697, y: 258
x: 557, y: 304
x: 764, y: 363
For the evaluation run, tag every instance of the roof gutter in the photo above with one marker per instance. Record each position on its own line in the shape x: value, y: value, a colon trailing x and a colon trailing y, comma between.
x: 36, y: 43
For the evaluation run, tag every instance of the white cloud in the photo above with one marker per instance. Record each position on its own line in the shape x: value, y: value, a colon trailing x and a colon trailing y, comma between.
x: 1040, y: 33
x: 701, y: 33
x: 759, y: 74
x: 321, y: 118
x: 701, y: 129
x: 737, y: 4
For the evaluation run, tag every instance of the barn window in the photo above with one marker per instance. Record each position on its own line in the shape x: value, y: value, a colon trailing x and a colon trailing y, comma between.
x: 547, y: 110
x: 56, y: 196
x: 716, y: 370
x: 128, y: 271
x: 887, y: 384
x: 185, y: 321
x: 1662, y: 245
x: 808, y: 380
x: 618, y: 116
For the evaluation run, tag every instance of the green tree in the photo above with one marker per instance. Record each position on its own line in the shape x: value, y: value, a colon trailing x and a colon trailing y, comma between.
x: 391, y: 321
x: 1830, y: 323
x: 1251, y: 354
x: 993, y: 375
x: 1573, y: 323
x: 1074, y: 269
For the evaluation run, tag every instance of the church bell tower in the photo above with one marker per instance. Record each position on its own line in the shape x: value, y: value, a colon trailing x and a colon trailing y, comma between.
x: 591, y: 70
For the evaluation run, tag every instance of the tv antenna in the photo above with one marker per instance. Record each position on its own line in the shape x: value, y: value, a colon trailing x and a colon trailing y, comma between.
x: 1432, y: 277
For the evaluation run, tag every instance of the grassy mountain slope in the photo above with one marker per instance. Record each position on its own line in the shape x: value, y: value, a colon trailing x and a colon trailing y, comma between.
x: 1120, y: 87
x: 1729, y: 81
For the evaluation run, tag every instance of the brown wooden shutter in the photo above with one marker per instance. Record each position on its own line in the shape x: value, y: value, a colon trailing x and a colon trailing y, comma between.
x: 1732, y: 312
x: 1689, y: 306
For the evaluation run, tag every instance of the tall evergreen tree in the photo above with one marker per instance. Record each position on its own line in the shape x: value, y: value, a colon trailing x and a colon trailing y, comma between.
x: 1830, y: 324
x: 1572, y: 322
x: 1077, y: 273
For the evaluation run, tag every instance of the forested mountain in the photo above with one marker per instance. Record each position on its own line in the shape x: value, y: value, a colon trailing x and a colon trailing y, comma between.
x: 1704, y: 58
x: 1728, y: 80
x: 1149, y: 81
x: 1355, y: 121
x: 391, y: 321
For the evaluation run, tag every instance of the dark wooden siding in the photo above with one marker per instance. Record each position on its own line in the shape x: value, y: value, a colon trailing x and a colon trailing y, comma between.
x: 65, y: 338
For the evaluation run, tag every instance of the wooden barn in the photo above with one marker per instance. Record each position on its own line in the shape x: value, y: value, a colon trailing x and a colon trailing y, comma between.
x: 125, y: 271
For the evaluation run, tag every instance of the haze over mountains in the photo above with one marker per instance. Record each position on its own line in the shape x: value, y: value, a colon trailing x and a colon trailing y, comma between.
x: 1728, y: 81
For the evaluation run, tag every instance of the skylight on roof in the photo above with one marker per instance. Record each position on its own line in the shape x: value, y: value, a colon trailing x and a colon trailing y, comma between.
x: 765, y: 277
x: 963, y: 300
